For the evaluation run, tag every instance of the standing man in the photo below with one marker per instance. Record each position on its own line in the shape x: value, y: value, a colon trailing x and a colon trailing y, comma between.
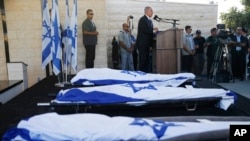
x: 89, y: 38
x: 144, y: 39
x: 212, y: 43
x: 188, y: 50
x: 199, y: 59
x: 238, y: 54
x: 126, y: 47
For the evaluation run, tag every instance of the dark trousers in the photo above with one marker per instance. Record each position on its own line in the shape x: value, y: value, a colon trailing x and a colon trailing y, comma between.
x: 198, y: 63
x: 238, y: 64
x: 186, y: 63
x: 135, y: 59
x: 210, y: 61
x: 90, y: 56
x: 143, y: 60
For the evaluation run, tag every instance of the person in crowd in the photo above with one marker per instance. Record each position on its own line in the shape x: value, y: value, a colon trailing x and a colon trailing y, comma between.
x: 135, y: 52
x: 244, y: 33
x: 126, y: 48
x: 238, y: 54
x: 212, y: 43
x: 199, y: 60
x: 144, y: 40
x: 89, y: 38
x: 115, y: 53
x: 188, y: 50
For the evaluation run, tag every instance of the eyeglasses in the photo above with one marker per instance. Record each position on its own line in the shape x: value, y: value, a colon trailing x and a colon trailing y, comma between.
x: 91, y: 13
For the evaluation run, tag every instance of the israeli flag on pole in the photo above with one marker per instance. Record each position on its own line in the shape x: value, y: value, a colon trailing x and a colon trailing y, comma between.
x: 66, y: 39
x: 56, y: 38
x: 46, y: 36
x: 73, y: 28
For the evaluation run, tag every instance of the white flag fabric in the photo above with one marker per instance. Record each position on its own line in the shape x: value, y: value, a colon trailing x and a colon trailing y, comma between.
x: 98, y: 127
x: 138, y: 94
x: 46, y: 36
x: 56, y: 38
x: 66, y: 39
x: 108, y: 76
x: 73, y: 28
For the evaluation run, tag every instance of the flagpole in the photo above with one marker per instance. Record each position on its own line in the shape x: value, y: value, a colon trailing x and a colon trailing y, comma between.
x: 56, y: 42
x: 60, y: 83
x: 66, y: 65
x: 66, y: 75
x: 66, y: 41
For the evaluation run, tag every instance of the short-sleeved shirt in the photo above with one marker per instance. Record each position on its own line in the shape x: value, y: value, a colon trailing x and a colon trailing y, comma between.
x: 200, y: 42
x: 189, y: 42
x: 89, y: 26
x: 214, y: 44
x: 125, y: 38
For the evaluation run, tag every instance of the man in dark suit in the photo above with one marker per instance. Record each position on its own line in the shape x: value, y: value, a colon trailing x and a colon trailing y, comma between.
x: 145, y: 37
x: 238, y: 54
x: 89, y: 38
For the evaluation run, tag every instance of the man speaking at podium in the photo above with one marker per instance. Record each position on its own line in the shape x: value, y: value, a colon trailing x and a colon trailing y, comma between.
x: 145, y: 37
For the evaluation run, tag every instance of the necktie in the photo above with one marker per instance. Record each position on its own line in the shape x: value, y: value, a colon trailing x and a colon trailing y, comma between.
x: 150, y: 23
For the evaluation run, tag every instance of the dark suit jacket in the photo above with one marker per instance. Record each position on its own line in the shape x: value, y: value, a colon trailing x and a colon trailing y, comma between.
x: 145, y: 34
x: 242, y: 40
x: 89, y: 39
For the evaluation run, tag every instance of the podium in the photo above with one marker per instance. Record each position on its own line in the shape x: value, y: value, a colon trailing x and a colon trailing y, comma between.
x: 168, y: 51
x: 18, y: 71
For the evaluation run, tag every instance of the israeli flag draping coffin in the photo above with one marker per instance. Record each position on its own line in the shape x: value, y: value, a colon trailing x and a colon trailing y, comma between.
x: 107, y: 76
x: 132, y: 93
x: 97, y: 127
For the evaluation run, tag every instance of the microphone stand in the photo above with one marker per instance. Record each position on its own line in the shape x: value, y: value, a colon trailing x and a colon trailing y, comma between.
x: 174, y: 21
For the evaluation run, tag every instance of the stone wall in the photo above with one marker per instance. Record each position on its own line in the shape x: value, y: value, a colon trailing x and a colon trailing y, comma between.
x: 24, y: 27
x: 199, y: 16
x: 24, y: 32
x: 3, y: 68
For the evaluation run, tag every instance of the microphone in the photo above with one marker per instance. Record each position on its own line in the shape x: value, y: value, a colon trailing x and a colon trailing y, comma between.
x: 157, y: 18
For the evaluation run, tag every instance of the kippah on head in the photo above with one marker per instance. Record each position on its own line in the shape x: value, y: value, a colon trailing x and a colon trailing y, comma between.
x: 198, y: 32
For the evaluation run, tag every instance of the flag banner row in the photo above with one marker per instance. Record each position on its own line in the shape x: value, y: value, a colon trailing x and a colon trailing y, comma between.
x: 59, y: 44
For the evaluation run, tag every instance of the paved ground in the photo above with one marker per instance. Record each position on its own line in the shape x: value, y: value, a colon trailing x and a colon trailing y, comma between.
x: 240, y: 87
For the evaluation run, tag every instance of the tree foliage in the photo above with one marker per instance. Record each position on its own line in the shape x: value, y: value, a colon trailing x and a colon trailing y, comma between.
x: 236, y: 17
x: 245, y: 2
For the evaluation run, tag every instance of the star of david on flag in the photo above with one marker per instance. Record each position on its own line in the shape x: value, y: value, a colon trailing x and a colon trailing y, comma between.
x: 56, y: 38
x: 46, y: 36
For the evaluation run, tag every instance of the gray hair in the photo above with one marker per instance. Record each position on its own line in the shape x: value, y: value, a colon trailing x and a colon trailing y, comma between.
x: 147, y: 8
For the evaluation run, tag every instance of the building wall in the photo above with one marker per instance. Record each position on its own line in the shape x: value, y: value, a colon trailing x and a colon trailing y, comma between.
x: 3, y: 70
x: 24, y: 34
x: 24, y: 26
x: 25, y: 30
x: 199, y: 16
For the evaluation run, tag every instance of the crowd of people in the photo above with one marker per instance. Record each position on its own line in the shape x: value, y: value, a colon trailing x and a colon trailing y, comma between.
x: 236, y: 43
x: 196, y: 52
x: 131, y: 47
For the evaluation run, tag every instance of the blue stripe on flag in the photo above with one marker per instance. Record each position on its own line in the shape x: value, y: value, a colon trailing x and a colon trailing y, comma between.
x: 56, y: 38
x: 73, y: 27
x: 46, y: 36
